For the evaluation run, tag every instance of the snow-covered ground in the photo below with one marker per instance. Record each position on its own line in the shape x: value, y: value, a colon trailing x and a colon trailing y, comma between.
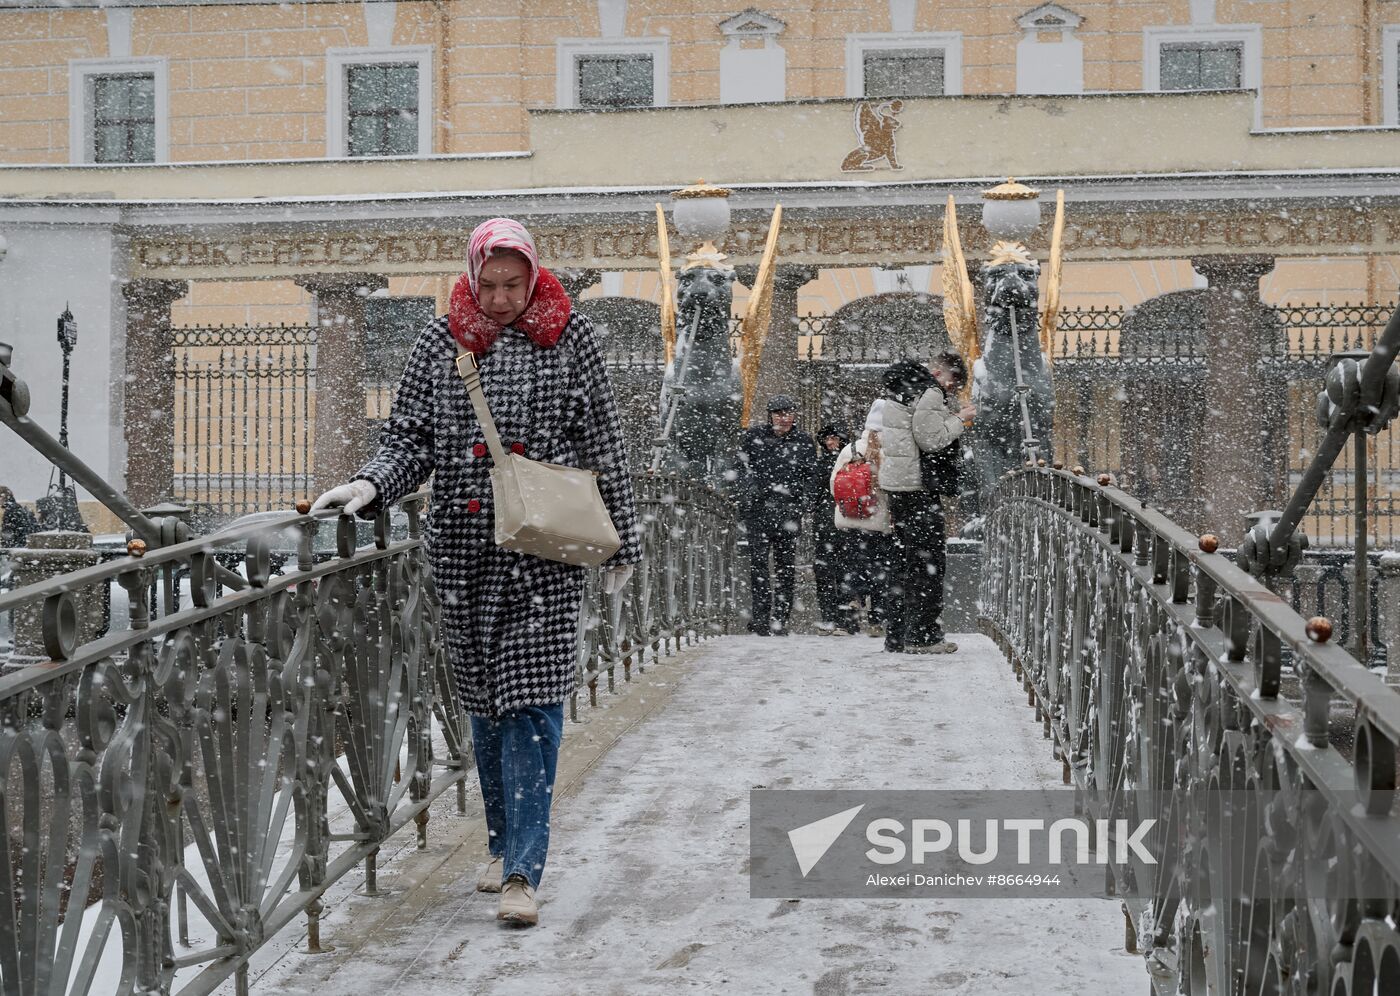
x: 647, y: 892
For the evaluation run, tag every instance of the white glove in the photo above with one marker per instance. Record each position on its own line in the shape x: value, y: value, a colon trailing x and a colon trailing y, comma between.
x: 351, y: 497
x: 616, y: 578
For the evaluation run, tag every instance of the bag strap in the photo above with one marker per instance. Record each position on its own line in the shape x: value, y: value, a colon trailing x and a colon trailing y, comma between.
x: 471, y: 377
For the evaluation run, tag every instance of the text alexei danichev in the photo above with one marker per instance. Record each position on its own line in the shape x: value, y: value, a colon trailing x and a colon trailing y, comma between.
x: 953, y: 878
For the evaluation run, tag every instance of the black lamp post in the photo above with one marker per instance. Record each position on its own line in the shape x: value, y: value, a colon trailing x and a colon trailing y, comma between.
x: 59, y: 508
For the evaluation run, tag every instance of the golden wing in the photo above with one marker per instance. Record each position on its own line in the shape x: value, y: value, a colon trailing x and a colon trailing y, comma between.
x: 754, y: 329
x: 959, y: 305
x: 1050, y: 314
x: 668, y: 294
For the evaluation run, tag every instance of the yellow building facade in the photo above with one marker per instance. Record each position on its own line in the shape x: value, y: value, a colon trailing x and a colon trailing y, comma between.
x: 267, y: 81
x: 246, y: 164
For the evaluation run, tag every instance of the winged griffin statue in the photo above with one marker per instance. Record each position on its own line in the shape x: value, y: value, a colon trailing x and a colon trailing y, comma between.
x: 707, y: 393
x: 1011, y: 383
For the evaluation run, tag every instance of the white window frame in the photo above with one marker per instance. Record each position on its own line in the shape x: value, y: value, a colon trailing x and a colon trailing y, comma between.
x: 81, y: 140
x: 1250, y: 37
x: 567, y: 51
x: 338, y: 60
x: 949, y: 41
x: 1390, y: 75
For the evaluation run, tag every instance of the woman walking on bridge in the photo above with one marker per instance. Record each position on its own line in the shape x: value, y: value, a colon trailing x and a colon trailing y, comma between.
x: 510, y: 620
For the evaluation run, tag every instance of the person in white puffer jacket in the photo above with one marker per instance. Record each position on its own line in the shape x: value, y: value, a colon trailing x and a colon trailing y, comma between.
x: 917, y: 424
x: 916, y: 420
x: 872, y: 536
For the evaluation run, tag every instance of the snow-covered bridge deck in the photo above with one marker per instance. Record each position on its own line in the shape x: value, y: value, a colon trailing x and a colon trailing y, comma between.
x: 646, y: 889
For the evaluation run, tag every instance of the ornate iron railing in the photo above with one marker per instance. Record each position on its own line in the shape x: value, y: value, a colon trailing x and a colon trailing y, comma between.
x: 1313, y: 332
x: 1162, y: 672
x: 191, y: 758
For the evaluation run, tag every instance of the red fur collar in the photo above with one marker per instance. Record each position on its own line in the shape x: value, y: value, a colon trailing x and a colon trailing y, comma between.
x: 543, y: 319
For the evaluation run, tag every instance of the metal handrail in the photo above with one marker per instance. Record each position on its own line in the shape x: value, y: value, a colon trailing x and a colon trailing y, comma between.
x: 193, y: 754
x: 1144, y: 649
x: 1359, y: 411
x: 14, y: 412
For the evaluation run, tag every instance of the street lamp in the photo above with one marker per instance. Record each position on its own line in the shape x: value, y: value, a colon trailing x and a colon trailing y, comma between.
x: 59, y: 508
x: 1011, y: 210
x: 701, y: 214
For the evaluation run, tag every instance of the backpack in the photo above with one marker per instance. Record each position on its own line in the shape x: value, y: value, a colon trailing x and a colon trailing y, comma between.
x: 854, y: 491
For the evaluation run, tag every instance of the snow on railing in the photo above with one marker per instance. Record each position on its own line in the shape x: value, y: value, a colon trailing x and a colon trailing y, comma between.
x: 185, y: 785
x: 1167, y: 680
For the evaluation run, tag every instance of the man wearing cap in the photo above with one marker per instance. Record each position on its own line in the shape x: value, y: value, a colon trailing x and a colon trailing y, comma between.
x: 777, y: 484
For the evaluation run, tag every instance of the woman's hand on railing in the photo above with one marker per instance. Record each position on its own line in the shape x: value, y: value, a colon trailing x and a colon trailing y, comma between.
x: 351, y: 497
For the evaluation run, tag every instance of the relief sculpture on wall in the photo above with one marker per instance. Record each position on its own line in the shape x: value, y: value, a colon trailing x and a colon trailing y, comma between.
x: 875, y: 124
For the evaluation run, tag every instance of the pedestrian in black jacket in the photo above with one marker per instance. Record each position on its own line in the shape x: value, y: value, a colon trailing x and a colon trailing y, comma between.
x: 16, y: 521
x: 777, y: 485
x: 832, y: 548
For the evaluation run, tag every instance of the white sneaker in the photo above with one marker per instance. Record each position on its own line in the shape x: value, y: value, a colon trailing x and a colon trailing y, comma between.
x: 875, y: 630
x: 826, y: 628
x: 518, y: 904
x: 490, y: 880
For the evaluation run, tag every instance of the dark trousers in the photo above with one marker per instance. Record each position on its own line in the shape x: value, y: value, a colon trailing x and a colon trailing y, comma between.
x: 837, y: 570
x: 915, y: 603
x: 772, y: 535
x: 875, y: 555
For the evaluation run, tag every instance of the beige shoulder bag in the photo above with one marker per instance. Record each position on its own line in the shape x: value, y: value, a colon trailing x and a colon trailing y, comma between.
x: 543, y: 509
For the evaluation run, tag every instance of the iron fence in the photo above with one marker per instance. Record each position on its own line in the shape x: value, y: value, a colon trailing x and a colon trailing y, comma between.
x: 166, y: 789
x: 244, y: 416
x: 245, y: 400
x: 1170, y: 681
x: 1102, y: 390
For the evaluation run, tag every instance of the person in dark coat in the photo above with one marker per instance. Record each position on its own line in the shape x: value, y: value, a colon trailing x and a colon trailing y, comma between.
x: 16, y: 521
x: 832, y: 547
x: 510, y: 621
x: 776, y: 486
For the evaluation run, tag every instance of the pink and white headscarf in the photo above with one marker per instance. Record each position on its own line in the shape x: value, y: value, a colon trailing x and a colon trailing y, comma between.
x: 494, y: 236
x: 547, y: 312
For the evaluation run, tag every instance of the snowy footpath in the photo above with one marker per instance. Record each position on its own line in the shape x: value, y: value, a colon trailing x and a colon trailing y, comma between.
x: 647, y: 889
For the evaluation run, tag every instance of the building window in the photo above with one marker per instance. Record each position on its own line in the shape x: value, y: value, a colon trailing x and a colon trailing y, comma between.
x: 612, y: 72
x: 382, y: 110
x: 392, y: 325
x: 1204, y: 57
x: 904, y: 72
x: 123, y: 118
x: 1049, y: 58
x: 752, y: 65
x: 117, y: 110
x: 615, y: 80
x: 904, y: 65
x: 1202, y: 66
x: 379, y: 101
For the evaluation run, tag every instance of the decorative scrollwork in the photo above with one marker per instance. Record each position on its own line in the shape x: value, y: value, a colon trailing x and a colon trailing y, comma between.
x: 190, y: 760
x: 1176, y: 686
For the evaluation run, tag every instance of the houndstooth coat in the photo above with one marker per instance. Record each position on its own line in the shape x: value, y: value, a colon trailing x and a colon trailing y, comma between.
x: 509, y: 620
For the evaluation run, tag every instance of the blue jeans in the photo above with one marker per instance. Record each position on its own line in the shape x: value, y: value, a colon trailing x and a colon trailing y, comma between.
x: 515, y: 760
